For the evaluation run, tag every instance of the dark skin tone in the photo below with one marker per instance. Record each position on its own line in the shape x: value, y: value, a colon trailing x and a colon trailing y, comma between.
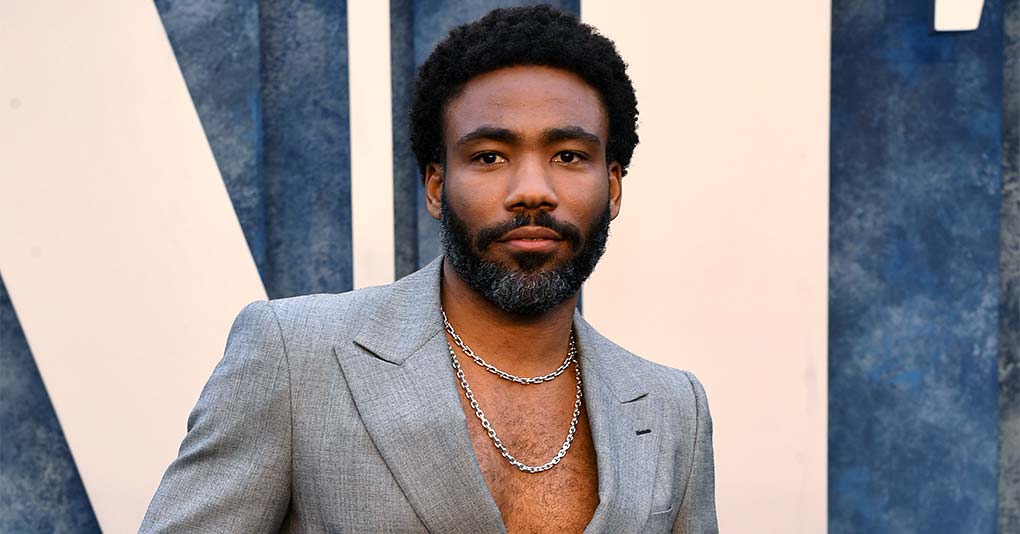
x: 519, y: 140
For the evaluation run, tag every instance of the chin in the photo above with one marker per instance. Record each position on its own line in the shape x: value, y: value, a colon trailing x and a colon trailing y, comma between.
x: 534, y: 262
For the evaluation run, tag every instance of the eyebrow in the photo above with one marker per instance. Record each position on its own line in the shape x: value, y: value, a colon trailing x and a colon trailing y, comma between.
x: 570, y: 133
x: 491, y: 133
x: 551, y: 135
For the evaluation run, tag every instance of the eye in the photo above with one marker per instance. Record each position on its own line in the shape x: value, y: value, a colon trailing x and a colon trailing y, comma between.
x: 568, y: 157
x: 488, y: 158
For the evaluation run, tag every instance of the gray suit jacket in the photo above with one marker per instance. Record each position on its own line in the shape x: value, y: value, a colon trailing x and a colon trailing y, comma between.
x: 340, y: 413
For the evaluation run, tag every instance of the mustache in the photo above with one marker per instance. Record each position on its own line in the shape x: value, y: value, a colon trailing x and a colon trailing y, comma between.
x: 569, y: 232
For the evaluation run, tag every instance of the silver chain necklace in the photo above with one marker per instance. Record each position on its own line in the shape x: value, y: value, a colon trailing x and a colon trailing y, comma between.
x: 488, y: 426
x: 571, y: 353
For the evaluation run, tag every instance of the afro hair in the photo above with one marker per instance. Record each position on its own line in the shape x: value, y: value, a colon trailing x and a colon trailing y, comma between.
x: 533, y: 35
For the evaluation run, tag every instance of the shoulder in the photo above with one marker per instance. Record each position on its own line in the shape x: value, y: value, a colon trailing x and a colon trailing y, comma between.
x: 677, y: 393
x: 310, y: 310
x: 342, y: 311
x: 304, y: 320
x: 668, y: 383
x: 632, y: 374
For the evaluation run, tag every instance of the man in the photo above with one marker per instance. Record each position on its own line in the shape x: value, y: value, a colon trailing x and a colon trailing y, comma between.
x: 469, y: 396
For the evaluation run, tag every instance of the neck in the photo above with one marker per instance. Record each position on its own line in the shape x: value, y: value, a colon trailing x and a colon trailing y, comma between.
x: 523, y: 344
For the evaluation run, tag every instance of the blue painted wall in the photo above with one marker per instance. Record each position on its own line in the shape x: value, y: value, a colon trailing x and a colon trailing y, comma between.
x: 269, y: 81
x: 916, y: 122
x: 306, y: 146
x: 1009, y: 285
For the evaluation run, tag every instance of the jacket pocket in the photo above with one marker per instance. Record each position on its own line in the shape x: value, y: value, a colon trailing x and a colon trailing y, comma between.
x: 659, y: 521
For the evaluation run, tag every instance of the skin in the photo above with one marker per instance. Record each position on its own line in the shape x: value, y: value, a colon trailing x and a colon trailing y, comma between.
x: 518, y: 140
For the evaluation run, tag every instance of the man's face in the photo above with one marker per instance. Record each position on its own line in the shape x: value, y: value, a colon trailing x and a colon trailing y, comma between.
x: 526, y: 195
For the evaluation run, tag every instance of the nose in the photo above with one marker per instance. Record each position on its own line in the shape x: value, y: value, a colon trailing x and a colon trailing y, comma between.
x: 530, y: 187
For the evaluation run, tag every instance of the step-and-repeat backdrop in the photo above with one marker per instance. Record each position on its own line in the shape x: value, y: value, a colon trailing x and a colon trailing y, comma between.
x: 811, y: 224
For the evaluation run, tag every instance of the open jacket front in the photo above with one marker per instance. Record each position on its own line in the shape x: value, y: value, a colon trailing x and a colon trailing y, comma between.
x: 340, y: 413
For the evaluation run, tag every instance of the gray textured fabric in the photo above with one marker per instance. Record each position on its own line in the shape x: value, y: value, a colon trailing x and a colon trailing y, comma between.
x: 340, y: 413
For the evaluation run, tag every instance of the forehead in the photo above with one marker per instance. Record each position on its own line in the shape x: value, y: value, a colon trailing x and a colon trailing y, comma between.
x: 526, y: 98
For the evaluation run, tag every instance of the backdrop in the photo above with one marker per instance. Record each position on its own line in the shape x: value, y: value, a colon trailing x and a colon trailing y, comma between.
x: 822, y: 222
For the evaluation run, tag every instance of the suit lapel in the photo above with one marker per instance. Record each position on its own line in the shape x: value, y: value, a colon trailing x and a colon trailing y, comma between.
x: 618, y: 407
x: 399, y: 374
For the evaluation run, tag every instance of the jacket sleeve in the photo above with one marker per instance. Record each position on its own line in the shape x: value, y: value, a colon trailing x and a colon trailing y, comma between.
x: 697, y: 511
x: 233, y: 472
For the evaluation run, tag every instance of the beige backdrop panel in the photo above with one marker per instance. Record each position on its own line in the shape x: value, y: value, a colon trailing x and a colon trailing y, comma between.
x: 119, y: 245
x: 718, y: 261
x: 368, y: 60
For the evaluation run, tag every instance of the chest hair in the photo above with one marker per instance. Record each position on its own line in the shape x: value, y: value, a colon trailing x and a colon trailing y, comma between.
x: 532, y: 422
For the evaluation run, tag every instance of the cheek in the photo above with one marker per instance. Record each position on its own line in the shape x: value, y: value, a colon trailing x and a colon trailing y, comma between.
x: 587, y: 201
x: 475, y: 204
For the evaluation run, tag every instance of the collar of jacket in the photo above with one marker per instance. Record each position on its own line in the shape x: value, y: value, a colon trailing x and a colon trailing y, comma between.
x: 412, y: 310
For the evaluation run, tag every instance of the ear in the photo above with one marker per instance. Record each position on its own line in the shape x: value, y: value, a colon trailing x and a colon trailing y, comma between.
x: 615, y: 188
x: 434, y: 189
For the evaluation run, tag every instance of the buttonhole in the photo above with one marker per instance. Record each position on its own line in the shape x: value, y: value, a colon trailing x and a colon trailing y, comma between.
x: 643, y: 395
x: 645, y: 431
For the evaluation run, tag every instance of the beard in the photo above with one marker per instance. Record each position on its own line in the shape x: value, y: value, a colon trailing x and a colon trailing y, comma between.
x: 529, y: 287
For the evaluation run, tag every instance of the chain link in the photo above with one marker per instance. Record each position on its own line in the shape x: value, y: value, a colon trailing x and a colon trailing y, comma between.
x: 492, y: 431
x: 571, y: 355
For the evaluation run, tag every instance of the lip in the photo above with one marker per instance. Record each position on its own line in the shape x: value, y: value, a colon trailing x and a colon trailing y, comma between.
x: 530, y: 233
x: 532, y: 239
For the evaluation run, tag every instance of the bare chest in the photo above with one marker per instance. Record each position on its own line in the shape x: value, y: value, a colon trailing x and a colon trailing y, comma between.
x: 532, y: 422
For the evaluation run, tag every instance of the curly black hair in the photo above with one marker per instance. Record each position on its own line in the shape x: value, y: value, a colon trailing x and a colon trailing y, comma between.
x: 533, y: 35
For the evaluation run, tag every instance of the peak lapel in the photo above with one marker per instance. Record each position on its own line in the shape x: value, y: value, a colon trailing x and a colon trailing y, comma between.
x: 618, y: 406
x: 399, y: 374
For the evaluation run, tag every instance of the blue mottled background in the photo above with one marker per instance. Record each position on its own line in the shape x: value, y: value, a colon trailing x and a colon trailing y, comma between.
x: 1009, y: 284
x: 269, y: 81
x: 916, y: 151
